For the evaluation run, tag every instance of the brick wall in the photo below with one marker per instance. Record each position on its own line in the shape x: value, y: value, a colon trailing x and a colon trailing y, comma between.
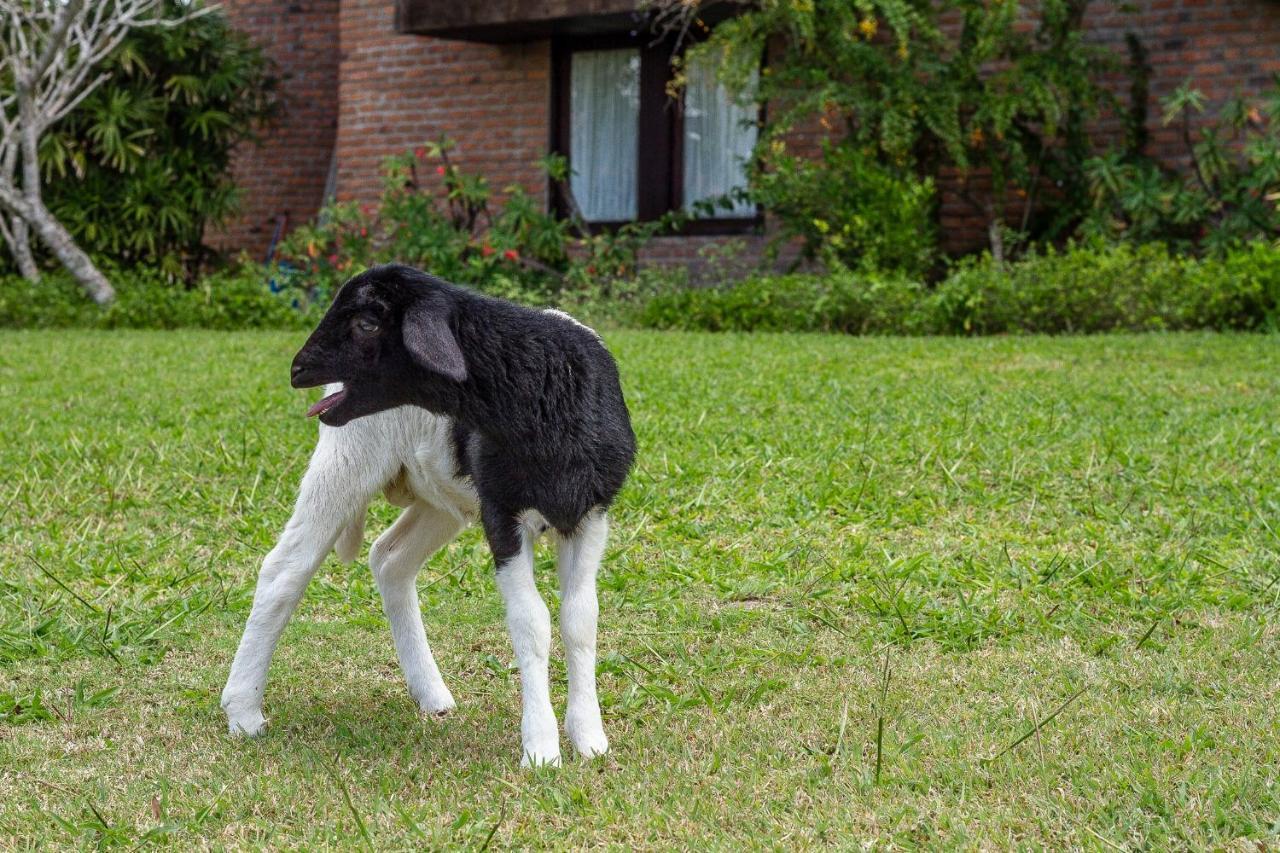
x: 398, y: 91
x: 286, y: 175
x: 1223, y: 46
x: 395, y: 91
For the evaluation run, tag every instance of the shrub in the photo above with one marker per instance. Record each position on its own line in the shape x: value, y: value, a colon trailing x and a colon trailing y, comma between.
x: 459, y: 231
x: 139, y: 169
x: 1230, y: 193
x: 852, y: 303
x: 1085, y: 288
x: 1100, y: 289
x: 148, y: 299
x: 1001, y: 92
x: 847, y: 209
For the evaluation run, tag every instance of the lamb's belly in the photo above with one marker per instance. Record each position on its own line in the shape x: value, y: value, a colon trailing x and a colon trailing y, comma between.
x: 430, y: 469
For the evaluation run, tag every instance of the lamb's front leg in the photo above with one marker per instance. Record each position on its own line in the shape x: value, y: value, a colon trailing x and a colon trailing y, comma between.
x: 529, y: 623
x: 337, y: 484
x: 578, y: 562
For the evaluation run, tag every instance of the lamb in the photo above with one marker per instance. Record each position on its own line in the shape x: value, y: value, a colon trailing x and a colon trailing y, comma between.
x: 457, y: 406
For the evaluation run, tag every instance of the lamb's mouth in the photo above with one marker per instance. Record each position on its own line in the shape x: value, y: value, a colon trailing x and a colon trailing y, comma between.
x: 327, y: 403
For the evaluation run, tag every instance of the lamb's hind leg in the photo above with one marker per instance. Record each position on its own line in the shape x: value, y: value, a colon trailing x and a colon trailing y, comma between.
x: 337, y: 484
x: 578, y: 561
x: 529, y: 623
x: 395, y: 559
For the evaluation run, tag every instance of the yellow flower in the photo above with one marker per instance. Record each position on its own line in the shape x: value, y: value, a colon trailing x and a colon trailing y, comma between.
x: 903, y: 53
x: 867, y: 26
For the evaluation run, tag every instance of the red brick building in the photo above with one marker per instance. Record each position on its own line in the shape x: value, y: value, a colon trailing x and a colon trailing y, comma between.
x: 509, y: 80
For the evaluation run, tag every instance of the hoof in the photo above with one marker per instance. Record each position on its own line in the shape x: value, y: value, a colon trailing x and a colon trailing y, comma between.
x: 592, y: 745
x: 541, y: 758
x: 247, y: 725
x: 587, y: 736
x: 437, y: 705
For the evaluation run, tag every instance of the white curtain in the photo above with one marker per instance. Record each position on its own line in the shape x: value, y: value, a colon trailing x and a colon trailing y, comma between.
x: 604, y: 102
x: 718, y: 137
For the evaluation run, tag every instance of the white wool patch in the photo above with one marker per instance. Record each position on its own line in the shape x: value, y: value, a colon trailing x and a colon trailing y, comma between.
x: 574, y: 320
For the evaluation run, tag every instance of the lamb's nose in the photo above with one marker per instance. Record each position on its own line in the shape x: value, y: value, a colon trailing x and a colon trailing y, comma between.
x: 295, y: 370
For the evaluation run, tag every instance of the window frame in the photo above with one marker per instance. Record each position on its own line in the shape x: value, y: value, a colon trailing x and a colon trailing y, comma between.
x: 660, y: 147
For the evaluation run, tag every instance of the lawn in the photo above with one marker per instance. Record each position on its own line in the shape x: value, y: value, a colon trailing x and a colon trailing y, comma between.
x: 904, y: 592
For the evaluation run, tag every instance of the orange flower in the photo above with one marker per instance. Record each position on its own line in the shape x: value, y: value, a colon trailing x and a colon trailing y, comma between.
x: 976, y: 136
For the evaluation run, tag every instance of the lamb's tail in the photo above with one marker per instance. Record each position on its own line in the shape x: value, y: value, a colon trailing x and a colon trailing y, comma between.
x: 349, y: 540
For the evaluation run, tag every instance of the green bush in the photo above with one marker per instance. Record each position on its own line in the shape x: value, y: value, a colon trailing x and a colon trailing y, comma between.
x: 147, y: 299
x: 1229, y: 194
x: 142, y: 166
x: 842, y: 302
x: 1106, y: 289
x: 848, y: 209
x: 997, y: 95
x: 1079, y: 290
x: 456, y: 226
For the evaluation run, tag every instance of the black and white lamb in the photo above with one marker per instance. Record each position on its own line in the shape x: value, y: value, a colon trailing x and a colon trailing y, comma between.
x: 457, y: 406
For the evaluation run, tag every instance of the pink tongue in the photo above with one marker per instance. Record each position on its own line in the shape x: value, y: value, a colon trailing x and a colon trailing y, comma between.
x: 327, y: 403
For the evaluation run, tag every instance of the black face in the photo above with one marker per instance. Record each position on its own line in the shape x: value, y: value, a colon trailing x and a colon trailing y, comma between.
x: 386, y: 339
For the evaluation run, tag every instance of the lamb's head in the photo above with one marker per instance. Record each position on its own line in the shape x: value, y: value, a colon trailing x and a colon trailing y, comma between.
x: 387, y: 339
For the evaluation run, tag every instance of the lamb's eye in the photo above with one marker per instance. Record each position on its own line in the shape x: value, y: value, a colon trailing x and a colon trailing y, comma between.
x: 366, y: 326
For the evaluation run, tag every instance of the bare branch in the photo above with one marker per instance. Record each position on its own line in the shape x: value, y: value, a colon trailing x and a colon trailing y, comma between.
x: 53, y: 51
x: 53, y: 41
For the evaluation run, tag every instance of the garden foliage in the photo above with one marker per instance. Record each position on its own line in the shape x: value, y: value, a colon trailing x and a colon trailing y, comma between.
x: 142, y: 167
x: 1229, y: 191
x: 456, y: 226
x: 997, y: 92
x: 147, y: 299
x: 1084, y: 288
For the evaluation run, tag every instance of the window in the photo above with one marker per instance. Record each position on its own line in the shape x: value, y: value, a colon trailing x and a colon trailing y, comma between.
x: 634, y: 154
x: 604, y: 103
x: 718, y: 137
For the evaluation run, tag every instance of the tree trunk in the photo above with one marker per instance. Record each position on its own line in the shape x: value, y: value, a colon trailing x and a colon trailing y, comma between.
x: 21, y: 247
x: 64, y: 248
x: 995, y: 232
x: 32, y: 208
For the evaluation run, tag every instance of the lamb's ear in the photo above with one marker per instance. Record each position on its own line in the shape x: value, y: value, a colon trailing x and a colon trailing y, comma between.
x: 432, y: 345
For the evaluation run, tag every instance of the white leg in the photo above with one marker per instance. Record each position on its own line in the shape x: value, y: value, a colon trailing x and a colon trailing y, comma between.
x: 578, y: 562
x: 336, y: 483
x: 395, y: 559
x: 530, y: 625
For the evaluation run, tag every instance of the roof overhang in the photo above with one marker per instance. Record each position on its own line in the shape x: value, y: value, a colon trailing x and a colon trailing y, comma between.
x: 501, y: 21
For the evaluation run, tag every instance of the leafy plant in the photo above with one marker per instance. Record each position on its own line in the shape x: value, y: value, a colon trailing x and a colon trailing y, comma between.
x: 846, y: 209
x: 1082, y: 289
x: 458, y: 230
x: 1229, y: 193
x: 146, y: 298
x: 841, y: 302
x: 1000, y: 94
x: 141, y: 168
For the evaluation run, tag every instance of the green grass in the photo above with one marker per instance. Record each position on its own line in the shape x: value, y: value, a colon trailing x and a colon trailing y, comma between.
x: 850, y: 583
